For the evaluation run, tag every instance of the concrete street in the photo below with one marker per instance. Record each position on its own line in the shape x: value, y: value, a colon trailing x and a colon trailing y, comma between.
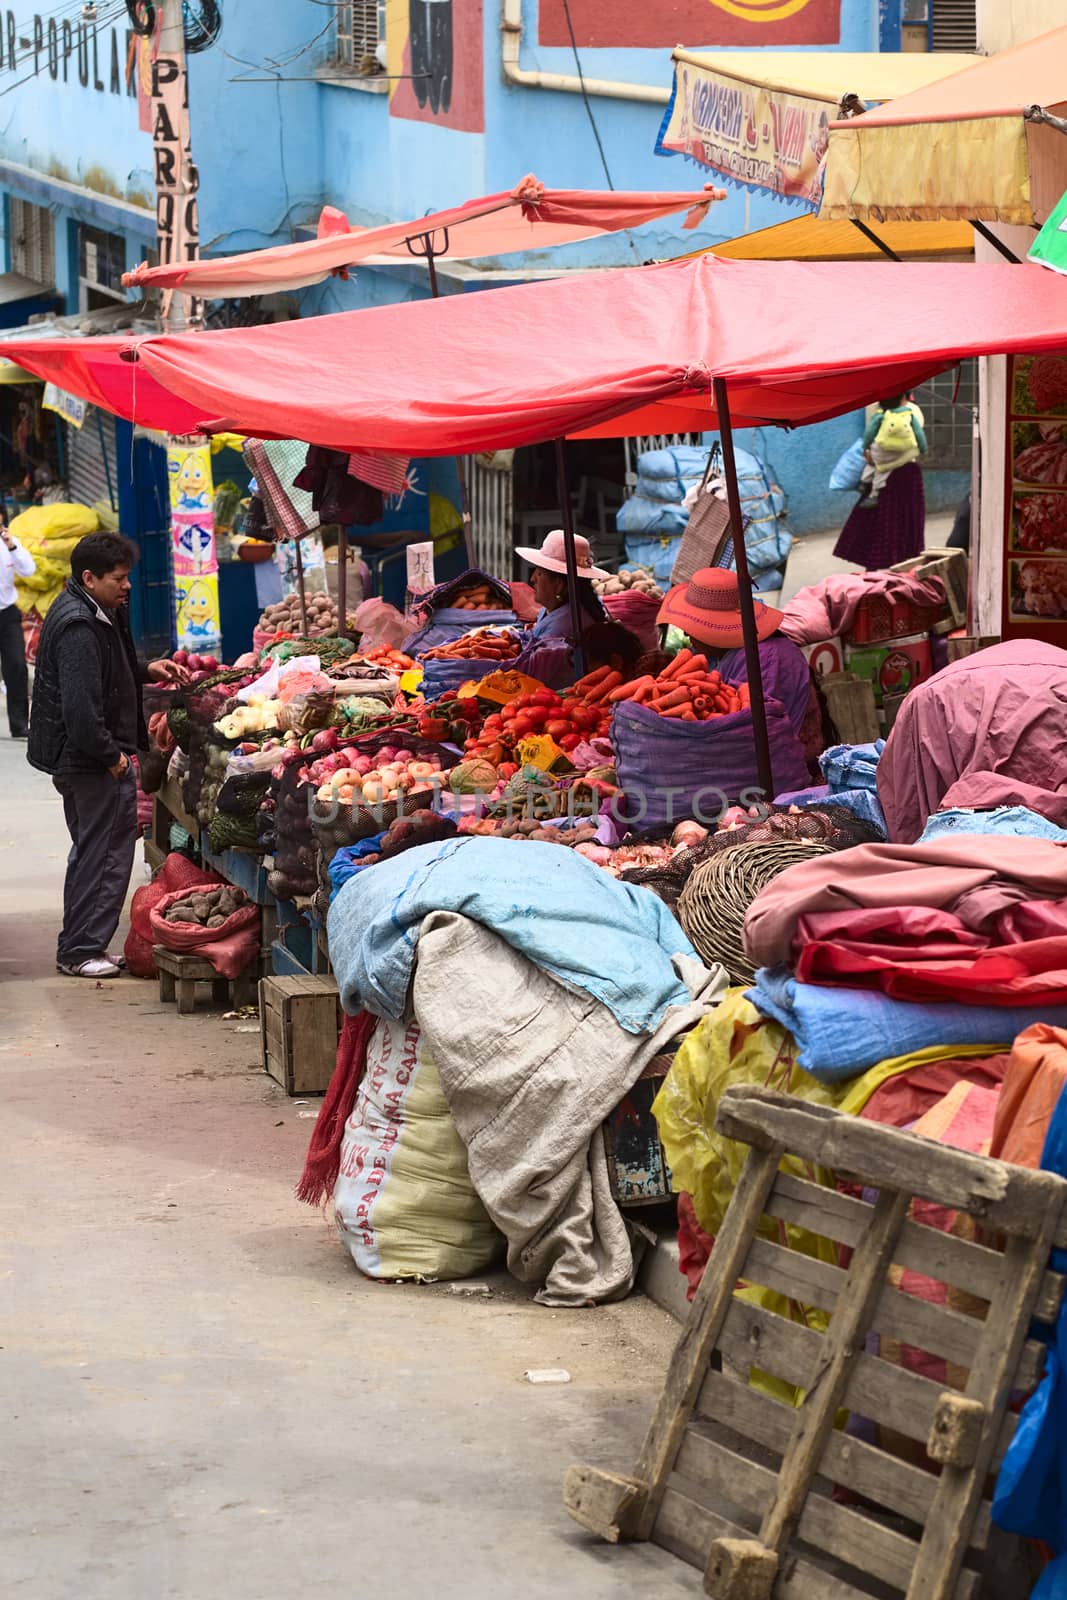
x: 200, y: 1396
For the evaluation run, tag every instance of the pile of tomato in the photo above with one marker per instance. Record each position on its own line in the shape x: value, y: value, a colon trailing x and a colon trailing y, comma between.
x: 566, y: 721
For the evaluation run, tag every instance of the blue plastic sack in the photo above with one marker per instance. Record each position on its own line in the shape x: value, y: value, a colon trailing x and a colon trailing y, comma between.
x: 670, y: 770
x: 677, y: 464
x: 1017, y: 820
x: 1031, y: 1491
x: 767, y: 545
x: 449, y: 624
x: 643, y: 516
x: 659, y: 555
x: 849, y: 466
x: 445, y: 677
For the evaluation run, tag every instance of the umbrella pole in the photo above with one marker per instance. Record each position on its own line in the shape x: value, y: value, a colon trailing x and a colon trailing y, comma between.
x: 427, y: 254
x: 744, y: 591
x: 342, y: 583
x: 571, y: 554
x: 300, y: 592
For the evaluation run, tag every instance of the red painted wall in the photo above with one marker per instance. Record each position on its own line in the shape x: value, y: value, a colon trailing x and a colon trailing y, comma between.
x: 635, y: 23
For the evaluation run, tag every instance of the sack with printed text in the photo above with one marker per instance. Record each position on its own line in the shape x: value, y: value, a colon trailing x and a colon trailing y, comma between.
x: 404, y: 1202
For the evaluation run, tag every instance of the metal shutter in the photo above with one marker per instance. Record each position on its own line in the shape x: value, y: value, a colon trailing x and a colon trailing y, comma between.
x: 954, y: 25
x: 31, y: 234
x: 87, y: 474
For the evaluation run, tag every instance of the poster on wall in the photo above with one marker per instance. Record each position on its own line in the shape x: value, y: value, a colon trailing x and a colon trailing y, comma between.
x: 1035, y: 543
x: 434, y: 52
x: 194, y: 562
x: 706, y: 24
x: 762, y: 138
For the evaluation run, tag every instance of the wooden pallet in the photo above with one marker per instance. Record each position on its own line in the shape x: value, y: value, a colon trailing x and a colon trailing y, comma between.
x: 738, y: 1483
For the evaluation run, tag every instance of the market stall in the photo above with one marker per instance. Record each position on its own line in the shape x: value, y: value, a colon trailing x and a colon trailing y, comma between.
x: 686, y: 890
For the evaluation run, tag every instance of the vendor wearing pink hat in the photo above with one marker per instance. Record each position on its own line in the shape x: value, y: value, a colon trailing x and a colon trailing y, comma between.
x: 707, y: 609
x: 549, y: 584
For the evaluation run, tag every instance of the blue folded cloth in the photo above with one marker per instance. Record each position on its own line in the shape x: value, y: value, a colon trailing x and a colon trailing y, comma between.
x: 611, y: 940
x: 852, y: 766
x: 1018, y: 820
x: 841, y: 1032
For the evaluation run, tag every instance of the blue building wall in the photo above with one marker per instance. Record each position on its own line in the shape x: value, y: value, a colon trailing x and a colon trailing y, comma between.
x: 271, y: 153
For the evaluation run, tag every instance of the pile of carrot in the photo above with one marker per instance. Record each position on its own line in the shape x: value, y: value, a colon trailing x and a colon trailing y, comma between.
x: 482, y: 645
x: 686, y: 690
x: 595, y: 687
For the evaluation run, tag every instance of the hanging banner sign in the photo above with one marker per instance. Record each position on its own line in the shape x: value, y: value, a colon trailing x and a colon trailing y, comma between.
x: 68, y: 406
x: 761, y: 138
x: 176, y: 174
x: 194, y: 561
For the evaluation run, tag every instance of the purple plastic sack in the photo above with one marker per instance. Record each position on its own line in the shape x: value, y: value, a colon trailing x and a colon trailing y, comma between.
x: 671, y: 770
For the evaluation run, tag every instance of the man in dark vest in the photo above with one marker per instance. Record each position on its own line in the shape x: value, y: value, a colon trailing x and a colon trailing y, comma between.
x: 86, y: 723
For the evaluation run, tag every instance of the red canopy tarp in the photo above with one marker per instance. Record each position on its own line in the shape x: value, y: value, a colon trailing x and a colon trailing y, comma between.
x: 629, y: 351
x: 529, y: 217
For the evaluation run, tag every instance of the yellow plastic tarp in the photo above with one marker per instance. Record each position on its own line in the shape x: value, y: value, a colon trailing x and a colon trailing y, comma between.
x: 735, y: 1044
x: 49, y: 534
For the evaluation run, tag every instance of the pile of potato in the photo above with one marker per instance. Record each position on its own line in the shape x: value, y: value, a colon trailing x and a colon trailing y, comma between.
x: 284, y: 617
x: 639, y: 579
x: 209, y: 908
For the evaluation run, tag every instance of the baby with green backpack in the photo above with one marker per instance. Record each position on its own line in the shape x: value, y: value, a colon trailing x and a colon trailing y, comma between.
x: 894, y: 436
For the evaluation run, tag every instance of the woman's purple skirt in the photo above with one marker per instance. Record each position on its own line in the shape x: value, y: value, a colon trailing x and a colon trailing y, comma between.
x: 893, y: 530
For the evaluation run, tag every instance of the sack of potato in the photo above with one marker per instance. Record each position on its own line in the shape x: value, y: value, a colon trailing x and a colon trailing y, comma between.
x: 284, y: 617
x: 217, y: 922
x: 629, y: 579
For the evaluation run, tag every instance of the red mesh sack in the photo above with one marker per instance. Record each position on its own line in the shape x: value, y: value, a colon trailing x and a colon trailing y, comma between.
x: 230, y: 947
x: 177, y: 872
x: 138, y: 953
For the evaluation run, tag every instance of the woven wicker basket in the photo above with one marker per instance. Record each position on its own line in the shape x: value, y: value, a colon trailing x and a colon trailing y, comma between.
x: 714, y: 903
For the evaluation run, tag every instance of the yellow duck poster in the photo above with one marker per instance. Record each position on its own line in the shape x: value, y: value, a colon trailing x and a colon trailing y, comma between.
x: 193, y: 556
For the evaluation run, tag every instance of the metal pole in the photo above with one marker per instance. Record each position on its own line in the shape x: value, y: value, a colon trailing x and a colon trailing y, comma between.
x: 571, y: 554
x: 301, y: 595
x: 744, y: 592
x: 461, y: 469
x: 342, y: 583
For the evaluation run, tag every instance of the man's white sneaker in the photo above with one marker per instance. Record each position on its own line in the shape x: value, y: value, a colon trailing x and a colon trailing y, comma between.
x: 96, y: 967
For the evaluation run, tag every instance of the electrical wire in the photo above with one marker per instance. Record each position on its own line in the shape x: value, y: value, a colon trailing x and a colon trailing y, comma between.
x: 585, y: 96
x: 108, y: 17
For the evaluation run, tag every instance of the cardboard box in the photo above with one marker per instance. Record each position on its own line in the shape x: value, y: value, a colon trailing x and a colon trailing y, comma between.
x: 891, y: 668
x: 826, y: 656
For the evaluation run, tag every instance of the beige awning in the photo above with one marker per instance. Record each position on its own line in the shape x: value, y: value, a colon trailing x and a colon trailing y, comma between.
x: 965, y: 147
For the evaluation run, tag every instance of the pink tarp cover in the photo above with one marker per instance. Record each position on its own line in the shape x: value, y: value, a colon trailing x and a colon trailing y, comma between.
x: 612, y: 352
x: 529, y: 217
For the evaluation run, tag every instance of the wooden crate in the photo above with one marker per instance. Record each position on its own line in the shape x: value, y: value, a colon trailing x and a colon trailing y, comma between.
x: 850, y: 702
x: 736, y: 1482
x: 953, y: 568
x: 300, y: 1024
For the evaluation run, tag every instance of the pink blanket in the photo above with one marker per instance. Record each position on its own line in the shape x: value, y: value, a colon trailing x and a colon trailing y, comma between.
x: 825, y: 609
x: 1002, y: 710
x: 984, y: 880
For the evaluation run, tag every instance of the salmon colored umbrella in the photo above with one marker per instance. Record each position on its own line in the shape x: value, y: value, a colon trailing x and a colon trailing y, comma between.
x: 796, y: 343
x: 615, y: 353
x: 530, y: 217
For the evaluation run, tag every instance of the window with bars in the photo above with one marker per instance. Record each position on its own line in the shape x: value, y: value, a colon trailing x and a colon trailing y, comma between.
x: 948, y: 403
x: 101, y: 263
x: 32, y: 235
x: 361, y: 35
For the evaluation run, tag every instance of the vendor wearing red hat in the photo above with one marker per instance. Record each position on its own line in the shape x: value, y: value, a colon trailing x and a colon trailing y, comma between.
x: 708, y: 610
x: 549, y: 584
